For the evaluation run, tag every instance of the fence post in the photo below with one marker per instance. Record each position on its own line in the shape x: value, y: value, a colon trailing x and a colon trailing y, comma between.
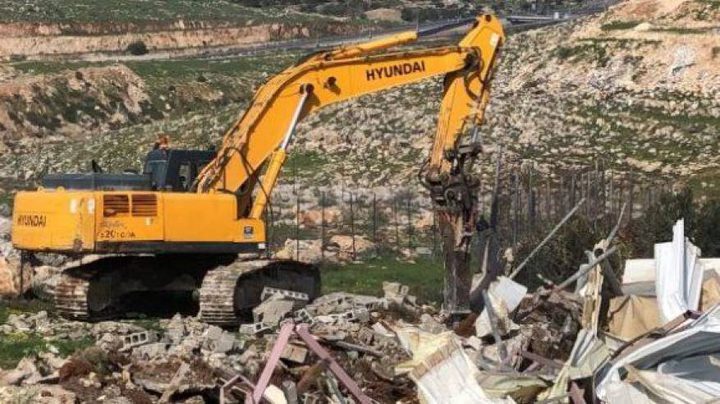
x: 322, y: 227
x: 531, y: 201
x: 572, y: 190
x: 434, y: 234
x: 397, y: 225
x: 560, y: 203
x: 588, y: 195
x: 548, y: 199
x: 516, y: 209
x: 352, y: 225
x: 374, y: 219
x: 409, y: 225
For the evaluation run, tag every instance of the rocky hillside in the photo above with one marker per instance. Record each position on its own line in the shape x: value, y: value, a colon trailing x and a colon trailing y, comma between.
x: 634, y: 89
x: 41, y: 29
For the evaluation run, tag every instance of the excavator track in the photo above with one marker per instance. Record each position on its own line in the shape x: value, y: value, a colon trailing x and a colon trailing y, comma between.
x: 71, y: 293
x: 101, y: 289
x: 72, y: 296
x: 229, y: 293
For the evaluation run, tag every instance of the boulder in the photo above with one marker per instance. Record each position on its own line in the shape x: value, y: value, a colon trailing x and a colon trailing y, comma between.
x: 314, y: 217
x: 10, y: 284
x: 24, y: 373
x: 310, y: 251
x: 43, y: 283
x: 344, y: 246
x: 384, y: 14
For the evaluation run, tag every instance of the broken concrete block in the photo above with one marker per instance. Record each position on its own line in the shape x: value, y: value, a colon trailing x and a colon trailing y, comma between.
x: 294, y: 353
x: 395, y: 292
x: 175, y: 330
x: 269, y: 292
x: 382, y: 331
x: 151, y: 351
x: 136, y: 339
x: 255, y: 329
x: 371, y: 303
x: 272, y: 311
x: 216, y: 340
x: 429, y: 324
x: 303, y: 316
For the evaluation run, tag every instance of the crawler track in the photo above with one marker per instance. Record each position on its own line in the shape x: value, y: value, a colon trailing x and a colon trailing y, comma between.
x: 229, y: 292
x: 71, y: 293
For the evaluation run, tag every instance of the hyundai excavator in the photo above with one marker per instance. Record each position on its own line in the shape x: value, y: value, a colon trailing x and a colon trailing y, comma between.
x: 193, y: 220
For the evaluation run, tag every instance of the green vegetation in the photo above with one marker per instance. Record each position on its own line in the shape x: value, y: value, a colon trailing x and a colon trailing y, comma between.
x: 119, y: 11
x: 8, y: 307
x: 598, y: 50
x: 305, y: 163
x: 619, y: 25
x: 137, y: 48
x: 50, y: 67
x: 14, y: 347
x: 684, y: 31
x: 425, y: 277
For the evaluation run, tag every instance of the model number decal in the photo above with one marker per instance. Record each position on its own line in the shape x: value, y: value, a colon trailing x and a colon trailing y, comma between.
x: 32, y: 220
x: 113, y: 230
x: 116, y: 234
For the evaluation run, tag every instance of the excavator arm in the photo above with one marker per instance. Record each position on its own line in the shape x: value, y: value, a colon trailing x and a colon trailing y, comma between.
x: 259, y: 139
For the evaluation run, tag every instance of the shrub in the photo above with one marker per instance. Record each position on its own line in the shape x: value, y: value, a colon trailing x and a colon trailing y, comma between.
x: 137, y: 48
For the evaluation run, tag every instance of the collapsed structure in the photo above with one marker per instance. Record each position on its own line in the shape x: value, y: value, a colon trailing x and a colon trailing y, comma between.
x: 592, y: 337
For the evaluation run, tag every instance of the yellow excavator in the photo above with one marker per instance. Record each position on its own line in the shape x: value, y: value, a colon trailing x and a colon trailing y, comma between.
x: 184, y: 222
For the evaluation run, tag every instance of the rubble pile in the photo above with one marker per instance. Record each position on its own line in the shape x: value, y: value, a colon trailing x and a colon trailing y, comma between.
x: 649, y: 336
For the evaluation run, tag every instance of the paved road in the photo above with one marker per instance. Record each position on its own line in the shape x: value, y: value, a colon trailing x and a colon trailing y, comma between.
x: 513, y: 23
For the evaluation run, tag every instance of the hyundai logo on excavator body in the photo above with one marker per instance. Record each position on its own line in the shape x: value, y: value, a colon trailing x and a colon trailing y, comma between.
x: 400, y: 69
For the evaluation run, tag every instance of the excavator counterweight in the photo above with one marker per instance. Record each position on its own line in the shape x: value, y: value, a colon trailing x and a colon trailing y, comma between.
x: 181, y: 223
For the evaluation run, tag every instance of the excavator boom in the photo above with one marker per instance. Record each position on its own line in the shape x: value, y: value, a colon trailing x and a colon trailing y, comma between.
x: 347, y: 73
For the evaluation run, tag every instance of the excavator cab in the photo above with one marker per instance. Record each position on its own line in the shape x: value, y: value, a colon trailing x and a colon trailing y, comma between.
x: 175, y: 169
x: 171, y: 170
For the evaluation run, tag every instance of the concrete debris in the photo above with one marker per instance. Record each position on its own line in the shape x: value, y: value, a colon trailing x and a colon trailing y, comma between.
x: 581, y: 341
x: 273, y: 310
x: 294, y: 353
x: 151, y: 351
x: 255, y: 329
x: 137, y: 339
x: 395, y: 292
x: 288, y: 294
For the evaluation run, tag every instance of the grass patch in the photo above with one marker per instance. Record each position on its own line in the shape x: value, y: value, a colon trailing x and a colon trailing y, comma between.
x: 51, y: 67
x: 683, y: 31
x: 69, y: 347
x: 619, y: 25
x: 424, y: 277
x: 137, y: 11
x: 306, y: 163
x: 14, y: 347
x: 8, y: 307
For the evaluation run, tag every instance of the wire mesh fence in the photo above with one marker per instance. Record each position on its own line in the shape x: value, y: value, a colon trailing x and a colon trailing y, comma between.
x: 527, y: 202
